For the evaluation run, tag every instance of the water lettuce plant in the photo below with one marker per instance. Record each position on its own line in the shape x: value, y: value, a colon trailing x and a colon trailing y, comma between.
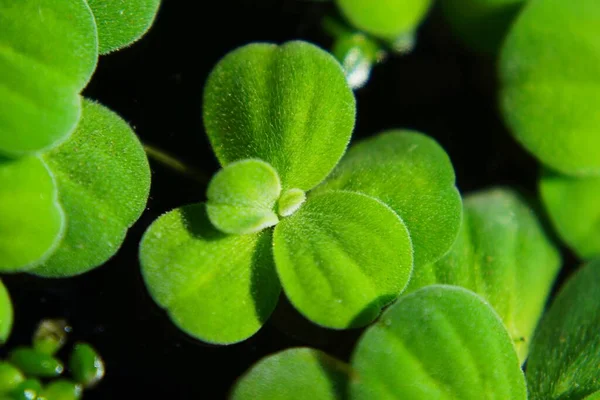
x: 548, y: 66
x: 447, y: 342
x: 340, y: 243
x: 503, y: 254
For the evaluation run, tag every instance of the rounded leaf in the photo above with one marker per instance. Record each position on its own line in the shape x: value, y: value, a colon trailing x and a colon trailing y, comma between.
x: 27, y: 390
x: 31, y: 218
x: 387, y: 19
x: 86, y: 365
x: 50, y: 336
x: 241, y: 197
x: 288, y: 105
x: 481, y: 24
x: 565, y: 352
x: 503, y: 254
x: 441, y: 342
x: 342, y: 257
x: 10, y: 377
x: 294, y: 374
x: 574, y: 209
x: 35, y: 363
x: 103, y: 180
x: 121, y: 23
x: 549, y: 69
x: 62, y: 389
x: 413, y: 175
x: 6, y: 315
x: 217, y: 288
x: 48, y: 52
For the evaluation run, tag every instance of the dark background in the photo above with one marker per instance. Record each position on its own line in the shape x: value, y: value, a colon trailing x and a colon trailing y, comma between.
x: 441, y: 89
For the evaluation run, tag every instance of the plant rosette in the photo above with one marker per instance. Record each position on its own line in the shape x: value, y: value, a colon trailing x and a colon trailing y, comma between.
x: 424, y: 347
x: 340, y: 237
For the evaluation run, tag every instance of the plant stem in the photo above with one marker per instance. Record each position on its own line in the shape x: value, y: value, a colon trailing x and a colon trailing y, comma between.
x: 174, y: 164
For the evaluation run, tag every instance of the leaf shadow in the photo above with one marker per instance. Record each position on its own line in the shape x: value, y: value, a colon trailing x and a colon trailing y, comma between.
x: 372, y: 311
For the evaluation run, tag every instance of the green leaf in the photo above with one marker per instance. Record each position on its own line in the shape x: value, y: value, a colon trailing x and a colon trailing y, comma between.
x: 342, y: 257
x: 594, y: 396
x: 441, y: 342
x: 31, y: 219
x: 290, y: 202
x: 549, y: 69
x: 62, y: 389
x: 503, y: 254
x: 27, y: 390
x: 357, y: 53
x: 103, y: 180
x: 574, y: 209
x: 10, y: 377
x: 121, y: 23
x: 241, y: 197
x: 86, y: 365
x: 294, y: 374
x: 288, y: 105
x: 217, y: 288
x: 48, y: 52
x: 35, y: 363
x: 565, y: 353
x: 481, y: 24
x: 413, y: 175
x: 387, y: 19
x: 6, y: 315
x: 50, y: 336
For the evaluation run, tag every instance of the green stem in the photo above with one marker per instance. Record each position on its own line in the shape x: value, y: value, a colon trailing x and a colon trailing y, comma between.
x: 174, y: 164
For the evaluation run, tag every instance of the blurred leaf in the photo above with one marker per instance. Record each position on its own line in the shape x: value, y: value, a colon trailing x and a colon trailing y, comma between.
x: 288, y: 105
x: 441, y: 342
x: 217, y: 288
x: 6, y: 316
x: 86, y: 365
x: 10, y: 378
x: 342, y: 257
x: 35, y: 363
x: 565, y: 353
x: 62, y: 389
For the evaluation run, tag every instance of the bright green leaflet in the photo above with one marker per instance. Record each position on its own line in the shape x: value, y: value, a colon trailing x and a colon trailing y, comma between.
x: 6, y: 314
x: 48, y: 52
x: 103, y: 180
x: 594, y: 396
x: 342, y: 257
x: 549, y: 71
x: 62, y: 389
x: 573, y: 205
x: 481, y: 24
x: 294, y: 374
x: 565, y: 353
x: 503, y: 254
x: 35, y: 363
x: 413, y: 175
x: 441, y: 342
x: 86, y: 365
x: 27, y: 390
x: 31, y: 219
x: 122, y: 22
x: 10, y: 377
x: 287, y: 105
x: 217, y: 288
x: 387, y: 19
x: 290, y: 202
x: 241, y: 197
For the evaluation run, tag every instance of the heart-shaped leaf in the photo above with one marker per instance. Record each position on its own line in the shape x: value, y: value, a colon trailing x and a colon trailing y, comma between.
x: 103, y: 180
x: 413, y: 175
x: 387, y: 19
x: 565, y: 353
x: 6, y: 314
x: 549, y: 69
x: 31, y: 218
x: 574, y: 208
x: 217, y: 288
x: 503, y: 254
x: 241, y: 197
x: 288, y: 105
x: 441, y: 342
x: 294, y: 374
x: 48, y: 52
x: 481, y: 24
x: 121, y: 23
x: 342, y: 257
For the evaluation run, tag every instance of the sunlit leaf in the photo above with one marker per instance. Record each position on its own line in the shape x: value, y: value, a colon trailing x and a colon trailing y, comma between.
x: 295, y: 374
x: 503, y: 254
x: 48, y: 52
x: 287, y: 105
x: 216, y: 287
x: 120, y: 23
x: 241, y: 197
x: 103, y: 181
x: 342, y: 257
x: 413, y: 175
x: 574, y: 208
x: 441, y: 342
x: 31, y: 218
x: 549, y: 69
x: 565, y: 353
